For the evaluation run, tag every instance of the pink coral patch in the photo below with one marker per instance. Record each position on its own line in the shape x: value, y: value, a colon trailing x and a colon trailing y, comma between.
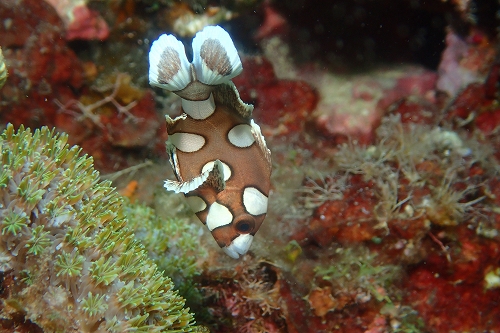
x: 87, y: 24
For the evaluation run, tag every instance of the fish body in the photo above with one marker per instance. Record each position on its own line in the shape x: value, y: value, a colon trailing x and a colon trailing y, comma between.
x: 218, y: 153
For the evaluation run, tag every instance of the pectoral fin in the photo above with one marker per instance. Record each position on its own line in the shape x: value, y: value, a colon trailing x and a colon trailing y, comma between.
x: 213, y: 177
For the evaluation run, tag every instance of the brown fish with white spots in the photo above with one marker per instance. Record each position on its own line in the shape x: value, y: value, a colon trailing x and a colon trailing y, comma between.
x: 218, y: 153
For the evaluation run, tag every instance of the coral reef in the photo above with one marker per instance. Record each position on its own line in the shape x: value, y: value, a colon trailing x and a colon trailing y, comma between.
x: 357, y: 277
x: 283, y: 105
x: 246, y: 297
x: 464, y: 61
x: 69, y: 262
x: 50, y: 85
x: 122, y: 114
x: 185, y: 22
x: 420, y: 194
x: 412, y: 214
x: 41, y: 65
x: 344, y: 100
x: 383, y: 120
x: 80, y: 21
x: 173, y: 242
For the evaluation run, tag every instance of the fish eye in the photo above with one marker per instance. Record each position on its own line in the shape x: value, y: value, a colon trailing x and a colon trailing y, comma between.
x: 245, y: 225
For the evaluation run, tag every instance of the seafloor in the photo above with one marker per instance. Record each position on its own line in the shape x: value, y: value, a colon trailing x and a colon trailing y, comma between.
x: 383, y: 120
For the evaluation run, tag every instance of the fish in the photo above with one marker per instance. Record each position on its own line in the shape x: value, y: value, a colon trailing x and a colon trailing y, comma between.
x: 218, y: 154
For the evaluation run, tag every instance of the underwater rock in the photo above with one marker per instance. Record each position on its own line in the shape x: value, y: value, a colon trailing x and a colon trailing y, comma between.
x: 351, y: 106
x: 475, y: 108
x: 438, y: 286
x: 285, y: 106
x: 140, y: 129
x: 186, y: 22
x: 23, y: 18
x: 42, y: 67
x: 416, y: 111
x: 465, y: 60
x: 87, y: 24
x: 109, y: 117
x: 352, y: 222
x: 245, y: 297
x: 465, y: 104
x: 48, y: 59
x: 377, y: 188
x: 488, y: 122
x: 80, y: 21
x: 273, y: 23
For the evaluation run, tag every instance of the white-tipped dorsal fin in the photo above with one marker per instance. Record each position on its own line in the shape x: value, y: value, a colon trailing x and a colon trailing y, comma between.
x: 168, y: 65
x: 261, y: 141
x: 215, y: 58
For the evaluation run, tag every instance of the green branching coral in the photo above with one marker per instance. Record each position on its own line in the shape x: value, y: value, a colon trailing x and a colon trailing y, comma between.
x: 358, y: 270
x: 173, y: 243
x: 76, y: 266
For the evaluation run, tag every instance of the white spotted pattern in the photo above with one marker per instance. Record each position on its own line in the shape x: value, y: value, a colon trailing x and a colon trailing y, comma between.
x: 187, y: 142
x: 218, y: 216
x: 241, y: 136
x: 209, y: 166
x: 196, y: 203
x: 255, y: 201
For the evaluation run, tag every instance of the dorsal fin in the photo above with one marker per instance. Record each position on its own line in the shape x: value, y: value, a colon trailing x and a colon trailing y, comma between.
x: 261, y: 142
x: 227, y: 94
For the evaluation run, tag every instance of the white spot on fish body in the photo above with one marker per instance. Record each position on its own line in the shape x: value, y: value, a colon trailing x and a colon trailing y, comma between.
x: 187, y: 142
x: 241, y: 136
x: 218, y: 216
x: 196, y: 203
x: 255, y: 201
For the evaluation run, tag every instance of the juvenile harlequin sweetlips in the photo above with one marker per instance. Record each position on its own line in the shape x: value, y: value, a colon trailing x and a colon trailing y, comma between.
x: 218, y: 153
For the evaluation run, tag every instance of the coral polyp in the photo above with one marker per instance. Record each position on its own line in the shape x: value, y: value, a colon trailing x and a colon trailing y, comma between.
x: 72, y: 263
